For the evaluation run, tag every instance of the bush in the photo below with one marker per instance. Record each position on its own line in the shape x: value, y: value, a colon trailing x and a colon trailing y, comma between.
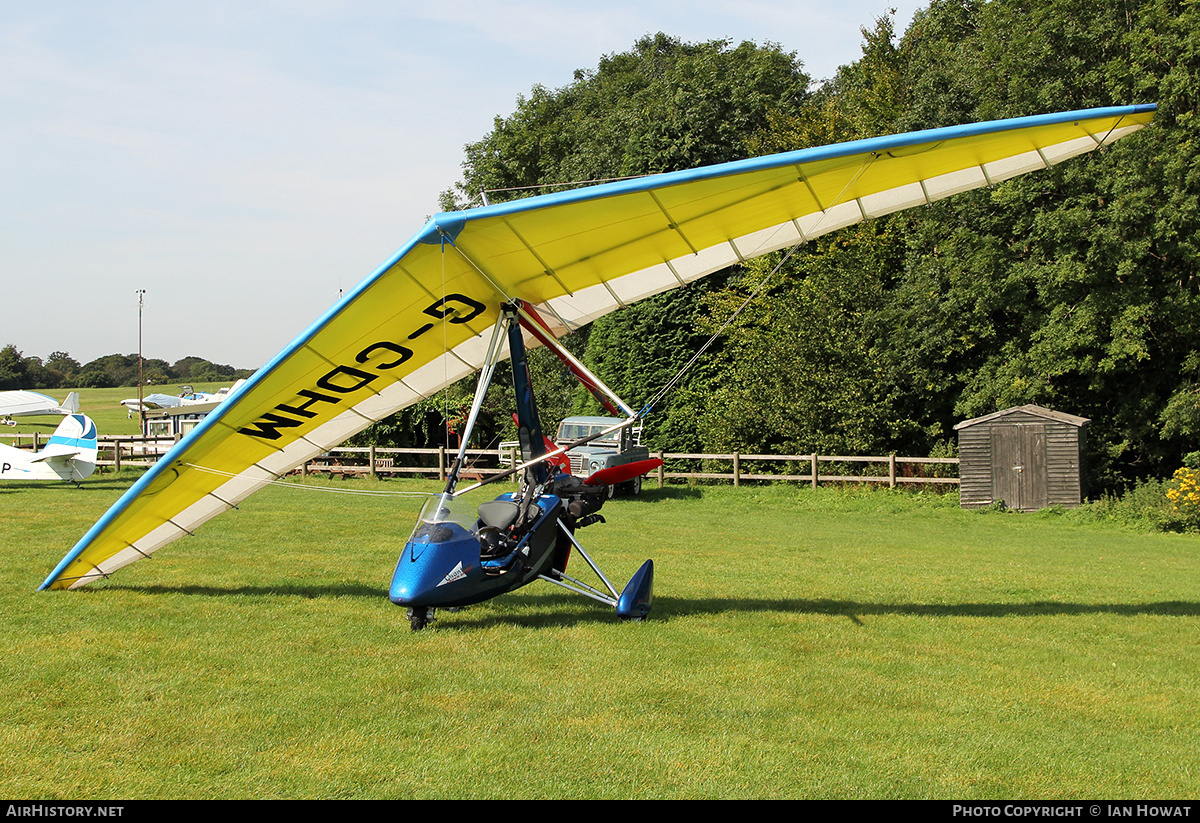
x: 1151, y: 505
x: 1183, y: 490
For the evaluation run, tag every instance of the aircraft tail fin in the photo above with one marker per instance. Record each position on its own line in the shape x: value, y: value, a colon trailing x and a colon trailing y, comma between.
x: 74, y: 441
x: 71, y: 404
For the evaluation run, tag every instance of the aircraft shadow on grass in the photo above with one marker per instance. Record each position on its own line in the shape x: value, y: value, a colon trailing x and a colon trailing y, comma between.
x: 555, y: 609
x: 279, y: 590
x: 95, y: 483
x: 559, y: 610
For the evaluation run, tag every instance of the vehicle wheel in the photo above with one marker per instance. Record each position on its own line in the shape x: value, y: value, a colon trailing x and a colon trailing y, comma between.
x: 419, y: 618
x: 631, y: 488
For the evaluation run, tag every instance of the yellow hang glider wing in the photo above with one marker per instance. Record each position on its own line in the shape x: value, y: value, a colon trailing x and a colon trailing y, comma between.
x: 423, y: 319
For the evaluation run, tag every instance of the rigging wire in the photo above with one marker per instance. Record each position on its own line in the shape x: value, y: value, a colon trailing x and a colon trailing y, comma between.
x: 695, y: 358
x: 483, y: 193
x: 445, y: 362
x: 359, y: 492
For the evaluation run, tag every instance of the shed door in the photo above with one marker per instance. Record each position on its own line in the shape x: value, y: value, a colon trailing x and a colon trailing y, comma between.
x: 1019, y: 466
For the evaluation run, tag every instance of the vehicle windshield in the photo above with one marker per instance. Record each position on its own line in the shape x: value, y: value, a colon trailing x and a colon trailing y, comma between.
x: 442, y: 510
x: 570, y: 432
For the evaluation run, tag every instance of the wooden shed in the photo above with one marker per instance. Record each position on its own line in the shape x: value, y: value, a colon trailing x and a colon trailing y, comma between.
x: 1026, y: 457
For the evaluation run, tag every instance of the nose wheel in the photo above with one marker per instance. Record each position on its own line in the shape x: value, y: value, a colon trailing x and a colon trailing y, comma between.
x: 420, y: 617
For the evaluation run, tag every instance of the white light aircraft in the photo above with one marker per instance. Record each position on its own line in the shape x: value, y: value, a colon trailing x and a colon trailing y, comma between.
x: 23, y: 403
x: 70, y: 455
x: 186, y: 397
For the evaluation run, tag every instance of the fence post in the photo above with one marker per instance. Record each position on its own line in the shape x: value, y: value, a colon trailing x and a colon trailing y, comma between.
x: 371, y: 457
x: 814, y: 470
x: 737, y: 470
x: 892, y: 470
x: 660, y: 470
x: 441, y: 462
x: 117, y: 455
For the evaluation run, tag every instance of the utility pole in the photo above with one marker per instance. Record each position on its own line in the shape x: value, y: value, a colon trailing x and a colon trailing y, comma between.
x: 141, y: 408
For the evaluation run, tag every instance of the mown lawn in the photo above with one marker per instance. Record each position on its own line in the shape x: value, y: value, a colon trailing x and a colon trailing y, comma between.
x: 869, y: 644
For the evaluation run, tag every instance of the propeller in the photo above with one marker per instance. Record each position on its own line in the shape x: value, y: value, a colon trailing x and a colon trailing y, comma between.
x: 619, y: 474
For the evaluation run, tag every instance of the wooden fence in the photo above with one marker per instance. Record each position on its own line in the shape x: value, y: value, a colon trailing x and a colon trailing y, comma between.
x: 894, y: 470
x: 811, y: 469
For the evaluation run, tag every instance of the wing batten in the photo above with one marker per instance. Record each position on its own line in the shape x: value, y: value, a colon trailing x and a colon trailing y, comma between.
x: 674, y: 272
x: 545, y: 266
x: 225, y: 503
x: 812, y: 192
x: 673, y: 224
x: 186, y: 531
x: 602, y: 247
x: 616, y: 298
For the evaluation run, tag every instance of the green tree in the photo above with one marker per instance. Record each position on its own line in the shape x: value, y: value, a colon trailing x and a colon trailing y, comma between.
x: 13, y: 371
x: 1074, y: 287
x: 110, y: 370
x: 1080, y: 276
x: 66, y: 366
x: 662, y: 106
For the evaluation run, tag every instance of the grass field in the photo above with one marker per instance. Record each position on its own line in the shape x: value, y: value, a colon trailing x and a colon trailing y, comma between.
x: 850, y: 644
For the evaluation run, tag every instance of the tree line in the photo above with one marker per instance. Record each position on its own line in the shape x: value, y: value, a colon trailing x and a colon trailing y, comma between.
x: 60, y: 370
x: 1074, y: 288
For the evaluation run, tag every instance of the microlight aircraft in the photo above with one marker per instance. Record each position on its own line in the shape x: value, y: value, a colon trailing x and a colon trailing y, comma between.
x: 425, y: 318
x: 461, y: 554
x: 70, y: 455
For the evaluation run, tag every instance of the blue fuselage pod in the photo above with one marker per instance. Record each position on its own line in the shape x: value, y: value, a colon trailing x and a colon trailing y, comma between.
x: 441, y: 564
x: 432, y: 563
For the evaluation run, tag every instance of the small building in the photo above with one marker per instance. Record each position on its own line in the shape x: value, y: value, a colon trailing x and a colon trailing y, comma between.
x: 1026, y: 457
x: 176, y: 421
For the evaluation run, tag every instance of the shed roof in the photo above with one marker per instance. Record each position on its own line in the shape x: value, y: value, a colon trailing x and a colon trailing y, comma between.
x: 1038, y: 411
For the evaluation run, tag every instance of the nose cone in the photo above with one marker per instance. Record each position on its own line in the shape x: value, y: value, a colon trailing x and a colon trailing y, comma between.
x: 398, y: 593
x: 412, y: 570
x: 435, y: 573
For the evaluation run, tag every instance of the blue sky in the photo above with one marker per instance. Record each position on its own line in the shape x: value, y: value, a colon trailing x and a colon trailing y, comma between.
x: 245, y: 161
